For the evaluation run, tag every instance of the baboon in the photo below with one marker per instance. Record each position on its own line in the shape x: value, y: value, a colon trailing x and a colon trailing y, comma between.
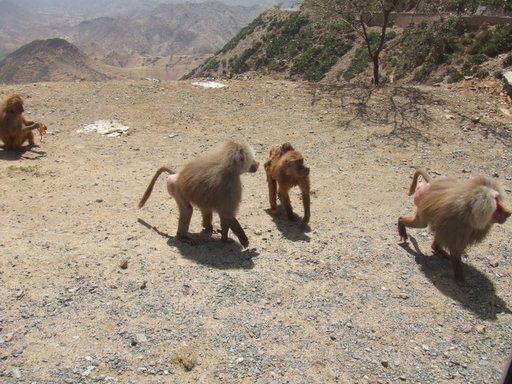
x: 506, y: 378
x: 285, y: 169
x: 212, y: 183
x: 14, y: 129
x: 459, y: 213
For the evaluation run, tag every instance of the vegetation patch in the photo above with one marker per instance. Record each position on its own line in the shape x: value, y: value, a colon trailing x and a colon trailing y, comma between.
x: 493, y: 41
x: 507, y: 62
x: 295, y: 45
x: 240, y: 63
x: 361, y: 58
x: 287, y: 42
x: 314, y: 63
x: 424, y: 49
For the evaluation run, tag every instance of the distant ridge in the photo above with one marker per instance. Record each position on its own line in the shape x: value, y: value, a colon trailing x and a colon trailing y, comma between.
x: 48, y: 60
x: 187, y: 28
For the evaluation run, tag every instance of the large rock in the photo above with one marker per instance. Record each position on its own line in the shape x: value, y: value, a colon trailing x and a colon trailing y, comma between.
x: 507, y: 82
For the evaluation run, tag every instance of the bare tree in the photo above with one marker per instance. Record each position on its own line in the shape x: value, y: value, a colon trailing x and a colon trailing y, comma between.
x: 356, y: 14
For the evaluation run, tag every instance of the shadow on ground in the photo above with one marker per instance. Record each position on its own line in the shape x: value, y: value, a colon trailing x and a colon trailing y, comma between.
x: 477, y: 293
x: 292, y: 230
x: 27, y: 153
x: 210, y: 250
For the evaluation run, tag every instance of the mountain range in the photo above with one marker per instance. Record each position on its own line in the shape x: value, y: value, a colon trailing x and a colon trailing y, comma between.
x: 100, y: 27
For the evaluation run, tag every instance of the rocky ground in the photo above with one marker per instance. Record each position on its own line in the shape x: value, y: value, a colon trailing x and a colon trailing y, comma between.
x: 93, y: 289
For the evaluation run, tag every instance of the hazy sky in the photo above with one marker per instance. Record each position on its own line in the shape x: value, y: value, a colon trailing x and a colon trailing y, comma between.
x: 108, y: 4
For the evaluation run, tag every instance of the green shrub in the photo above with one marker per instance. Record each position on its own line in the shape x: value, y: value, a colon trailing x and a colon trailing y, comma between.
x: 493, y: 41
x: 390, y: 35
x: 316, y: 61
x: 481, y: 74
x: 358, y: 64
x: 507, y: 62
x: 470, y: 66
x: 427, y: 46
x: 454, y: 76
x: 290, y: 37
x: 422, y: 74
x: 212, y: 64
x: 240, y: 64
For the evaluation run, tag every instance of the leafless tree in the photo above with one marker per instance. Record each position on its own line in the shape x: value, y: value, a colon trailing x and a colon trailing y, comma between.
x: 356, y: 14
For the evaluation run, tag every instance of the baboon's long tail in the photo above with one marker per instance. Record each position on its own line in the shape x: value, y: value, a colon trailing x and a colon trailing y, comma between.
x: 422, y: 173
x: 152, y: 184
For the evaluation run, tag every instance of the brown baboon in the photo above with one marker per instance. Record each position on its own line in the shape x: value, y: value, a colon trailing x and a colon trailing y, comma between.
x: 14, y: 129
x: 459, y: 213
x: 212, y: 183
x: 285, y: 169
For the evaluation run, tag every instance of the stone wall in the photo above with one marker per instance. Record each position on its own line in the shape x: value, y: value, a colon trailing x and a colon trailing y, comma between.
x: 404, y: 20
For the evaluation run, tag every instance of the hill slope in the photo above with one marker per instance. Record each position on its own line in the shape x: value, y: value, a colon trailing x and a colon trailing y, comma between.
x: 290, y: 45
x: 47, y: 60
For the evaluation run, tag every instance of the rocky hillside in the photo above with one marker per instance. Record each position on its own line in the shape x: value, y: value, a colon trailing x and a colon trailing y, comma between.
x: 48, y: 60
x: 168, y: 29
x: 290, y: 45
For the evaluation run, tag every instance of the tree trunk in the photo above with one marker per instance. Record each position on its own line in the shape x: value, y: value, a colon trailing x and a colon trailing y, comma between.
x: 376, y: 70
x: 375, y: 56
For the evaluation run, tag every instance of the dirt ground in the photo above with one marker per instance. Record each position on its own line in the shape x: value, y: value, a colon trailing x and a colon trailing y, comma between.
x: 93, y: 289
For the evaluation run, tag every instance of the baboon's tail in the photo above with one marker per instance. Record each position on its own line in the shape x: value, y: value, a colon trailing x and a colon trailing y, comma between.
x: 152, y: 184
x: 422, y: 173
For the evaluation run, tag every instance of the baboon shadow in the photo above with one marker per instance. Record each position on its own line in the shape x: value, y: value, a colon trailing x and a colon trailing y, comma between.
x: 17, y: 154
x: 293, y: 230
x: 476, y: 294
x: 210, y: 250
x: 149, y: 226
